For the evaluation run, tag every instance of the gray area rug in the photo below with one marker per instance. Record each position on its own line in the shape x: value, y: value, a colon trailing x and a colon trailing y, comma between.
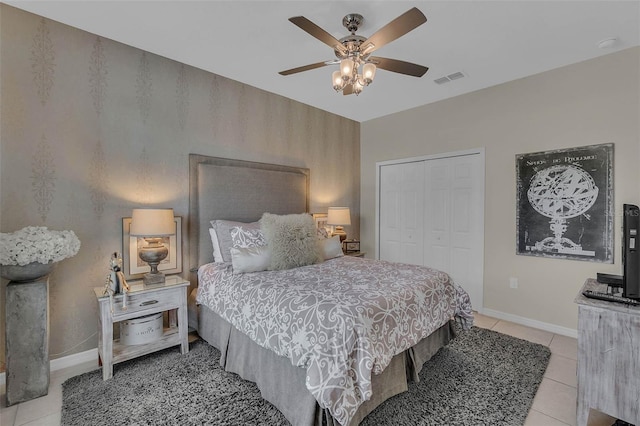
x: 481, y: 378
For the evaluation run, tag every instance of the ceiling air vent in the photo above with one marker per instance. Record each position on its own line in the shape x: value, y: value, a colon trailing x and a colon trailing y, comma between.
x: 450, y: 77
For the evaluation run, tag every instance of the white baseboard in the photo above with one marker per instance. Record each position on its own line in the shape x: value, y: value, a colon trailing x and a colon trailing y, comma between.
x: 66, y: 362
x: 75, y: 359
x: 557, y: 329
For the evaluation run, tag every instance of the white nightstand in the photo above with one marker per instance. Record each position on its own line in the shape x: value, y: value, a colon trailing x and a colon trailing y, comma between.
x: 142, y: 300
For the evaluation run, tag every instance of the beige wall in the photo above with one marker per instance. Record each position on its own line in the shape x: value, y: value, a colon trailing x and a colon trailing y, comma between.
x: 91, y: 128
x: 592, y: 102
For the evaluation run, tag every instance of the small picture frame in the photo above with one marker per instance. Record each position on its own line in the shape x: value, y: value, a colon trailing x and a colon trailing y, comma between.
x: 351, y: 246
x: 134, y: 267
x: 321, y: 221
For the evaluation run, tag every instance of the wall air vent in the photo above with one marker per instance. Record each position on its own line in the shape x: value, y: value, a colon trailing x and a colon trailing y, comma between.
x: 450, y: 77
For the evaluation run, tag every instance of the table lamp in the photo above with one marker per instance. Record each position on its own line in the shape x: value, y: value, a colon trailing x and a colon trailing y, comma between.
x: 152, y: 225
x: 338, y: 217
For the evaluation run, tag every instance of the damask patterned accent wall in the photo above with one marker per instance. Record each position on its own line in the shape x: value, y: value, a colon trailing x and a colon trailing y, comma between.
x: 92, y: 128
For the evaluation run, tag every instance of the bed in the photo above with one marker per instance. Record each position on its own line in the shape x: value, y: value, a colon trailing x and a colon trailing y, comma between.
x: 287, y: 346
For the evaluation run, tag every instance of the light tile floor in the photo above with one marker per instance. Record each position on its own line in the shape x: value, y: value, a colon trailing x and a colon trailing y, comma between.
x: 553, y: 405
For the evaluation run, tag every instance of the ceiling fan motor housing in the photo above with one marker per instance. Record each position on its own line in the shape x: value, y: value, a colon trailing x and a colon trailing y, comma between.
x: 352, y: 42
x: 352, y: 22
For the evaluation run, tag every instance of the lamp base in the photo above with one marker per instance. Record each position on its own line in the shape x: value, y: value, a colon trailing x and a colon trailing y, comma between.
x: 153, y: 254
x: 150, y: 279
x: 340, y: 231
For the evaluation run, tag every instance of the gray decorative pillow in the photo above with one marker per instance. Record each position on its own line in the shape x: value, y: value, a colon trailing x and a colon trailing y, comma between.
x: 245, y: 238
x: 292, y: 240
x: 223, y: 228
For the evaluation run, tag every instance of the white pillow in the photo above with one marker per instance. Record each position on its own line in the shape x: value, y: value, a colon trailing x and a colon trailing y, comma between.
x: 217, y: 255
x: 250, y: 259
x: 331, y: 247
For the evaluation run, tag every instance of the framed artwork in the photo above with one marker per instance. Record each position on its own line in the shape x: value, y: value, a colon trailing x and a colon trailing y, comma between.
x: 351, y: 246
x: 134, y: 267
x: 321, y: 222
x: 565, y: 203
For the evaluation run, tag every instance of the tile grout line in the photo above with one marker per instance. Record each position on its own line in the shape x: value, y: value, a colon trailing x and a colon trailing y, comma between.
x: 15, y: 417
x: 545, y: 414
x: 557, y: 381
x: 564, y: 356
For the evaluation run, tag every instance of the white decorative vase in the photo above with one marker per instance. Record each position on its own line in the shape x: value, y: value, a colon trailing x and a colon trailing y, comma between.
x: 26, y: 273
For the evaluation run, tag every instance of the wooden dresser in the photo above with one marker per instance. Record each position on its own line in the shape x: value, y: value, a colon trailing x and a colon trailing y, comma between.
x: 608, y: 357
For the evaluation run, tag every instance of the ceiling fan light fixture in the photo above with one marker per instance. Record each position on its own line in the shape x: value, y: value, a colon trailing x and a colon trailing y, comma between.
x: 368, y: 73
x: 338, y: 82
x: 346, y: 68
x: 358, y: 86
x: 353, y: 51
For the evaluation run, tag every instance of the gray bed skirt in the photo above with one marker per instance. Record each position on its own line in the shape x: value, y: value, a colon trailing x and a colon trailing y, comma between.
x: 283, y: 384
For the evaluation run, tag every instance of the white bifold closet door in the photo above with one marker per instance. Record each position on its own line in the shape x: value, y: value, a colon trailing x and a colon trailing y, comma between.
x: 402, y: 212
x: 432, y: 214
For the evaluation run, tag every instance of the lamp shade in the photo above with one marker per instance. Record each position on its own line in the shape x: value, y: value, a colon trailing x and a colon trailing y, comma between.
x: 368, y: 72
x: 337, y: 81
x: 152, y: 223
x: 346, y: 68
x: 339, y: 216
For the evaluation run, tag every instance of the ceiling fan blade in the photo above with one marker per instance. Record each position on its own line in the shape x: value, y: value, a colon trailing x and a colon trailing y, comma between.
x: 395, y: 29
x: 305, y: 68
x: 319, y: 33
x: 348, y: 90
x: 401, y: 67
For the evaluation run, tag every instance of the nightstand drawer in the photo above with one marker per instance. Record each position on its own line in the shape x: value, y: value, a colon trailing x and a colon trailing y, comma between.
x: 157, y: 301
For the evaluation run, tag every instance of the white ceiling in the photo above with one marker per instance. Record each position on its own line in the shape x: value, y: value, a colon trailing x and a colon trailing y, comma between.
x: 250, y: 41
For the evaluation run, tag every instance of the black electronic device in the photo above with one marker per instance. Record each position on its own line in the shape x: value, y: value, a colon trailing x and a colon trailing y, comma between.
x: 631, y: 252
x: 610, y: 279
x: 610, y: 297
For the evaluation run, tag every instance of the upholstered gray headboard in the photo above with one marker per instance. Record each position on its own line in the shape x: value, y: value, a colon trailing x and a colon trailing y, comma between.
x: 222, y: 188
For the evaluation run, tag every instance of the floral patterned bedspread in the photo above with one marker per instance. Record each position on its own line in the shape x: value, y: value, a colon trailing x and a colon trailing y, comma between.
x: 341, y: 320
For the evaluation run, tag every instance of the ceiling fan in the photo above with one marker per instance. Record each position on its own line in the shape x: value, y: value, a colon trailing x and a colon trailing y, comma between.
x: 354, y: 51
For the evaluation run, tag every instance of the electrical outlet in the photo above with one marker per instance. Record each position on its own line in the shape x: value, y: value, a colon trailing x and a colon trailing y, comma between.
x: 513, y: 282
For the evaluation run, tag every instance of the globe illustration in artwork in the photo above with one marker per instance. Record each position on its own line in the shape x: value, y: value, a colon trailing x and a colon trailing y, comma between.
x: 561, y: 192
